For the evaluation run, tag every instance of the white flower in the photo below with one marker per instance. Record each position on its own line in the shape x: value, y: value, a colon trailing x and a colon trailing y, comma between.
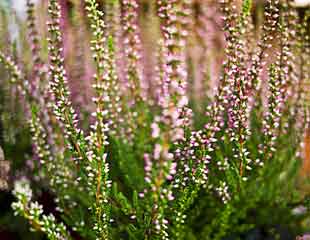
x: 301, y: 3
x: 22, y: 188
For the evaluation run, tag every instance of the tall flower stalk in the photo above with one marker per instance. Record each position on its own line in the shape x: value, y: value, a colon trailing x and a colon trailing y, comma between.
x: 132, y: 44
x: 62, y: 106
x: 169, y: 127
x: 97, y: 139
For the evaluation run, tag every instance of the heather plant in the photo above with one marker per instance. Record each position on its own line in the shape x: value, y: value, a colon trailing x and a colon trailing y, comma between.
x: 211, y: 143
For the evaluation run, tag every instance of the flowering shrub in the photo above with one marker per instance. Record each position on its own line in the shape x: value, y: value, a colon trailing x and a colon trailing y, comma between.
x: 200, y: 144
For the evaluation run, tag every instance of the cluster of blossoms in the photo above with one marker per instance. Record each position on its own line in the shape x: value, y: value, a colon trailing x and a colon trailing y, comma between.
x: 39, y: 71
x: 132, y: 45
x: 144, y: 160
x: 272, y: 116
x: 33, y: 211
x: 62, y: 108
